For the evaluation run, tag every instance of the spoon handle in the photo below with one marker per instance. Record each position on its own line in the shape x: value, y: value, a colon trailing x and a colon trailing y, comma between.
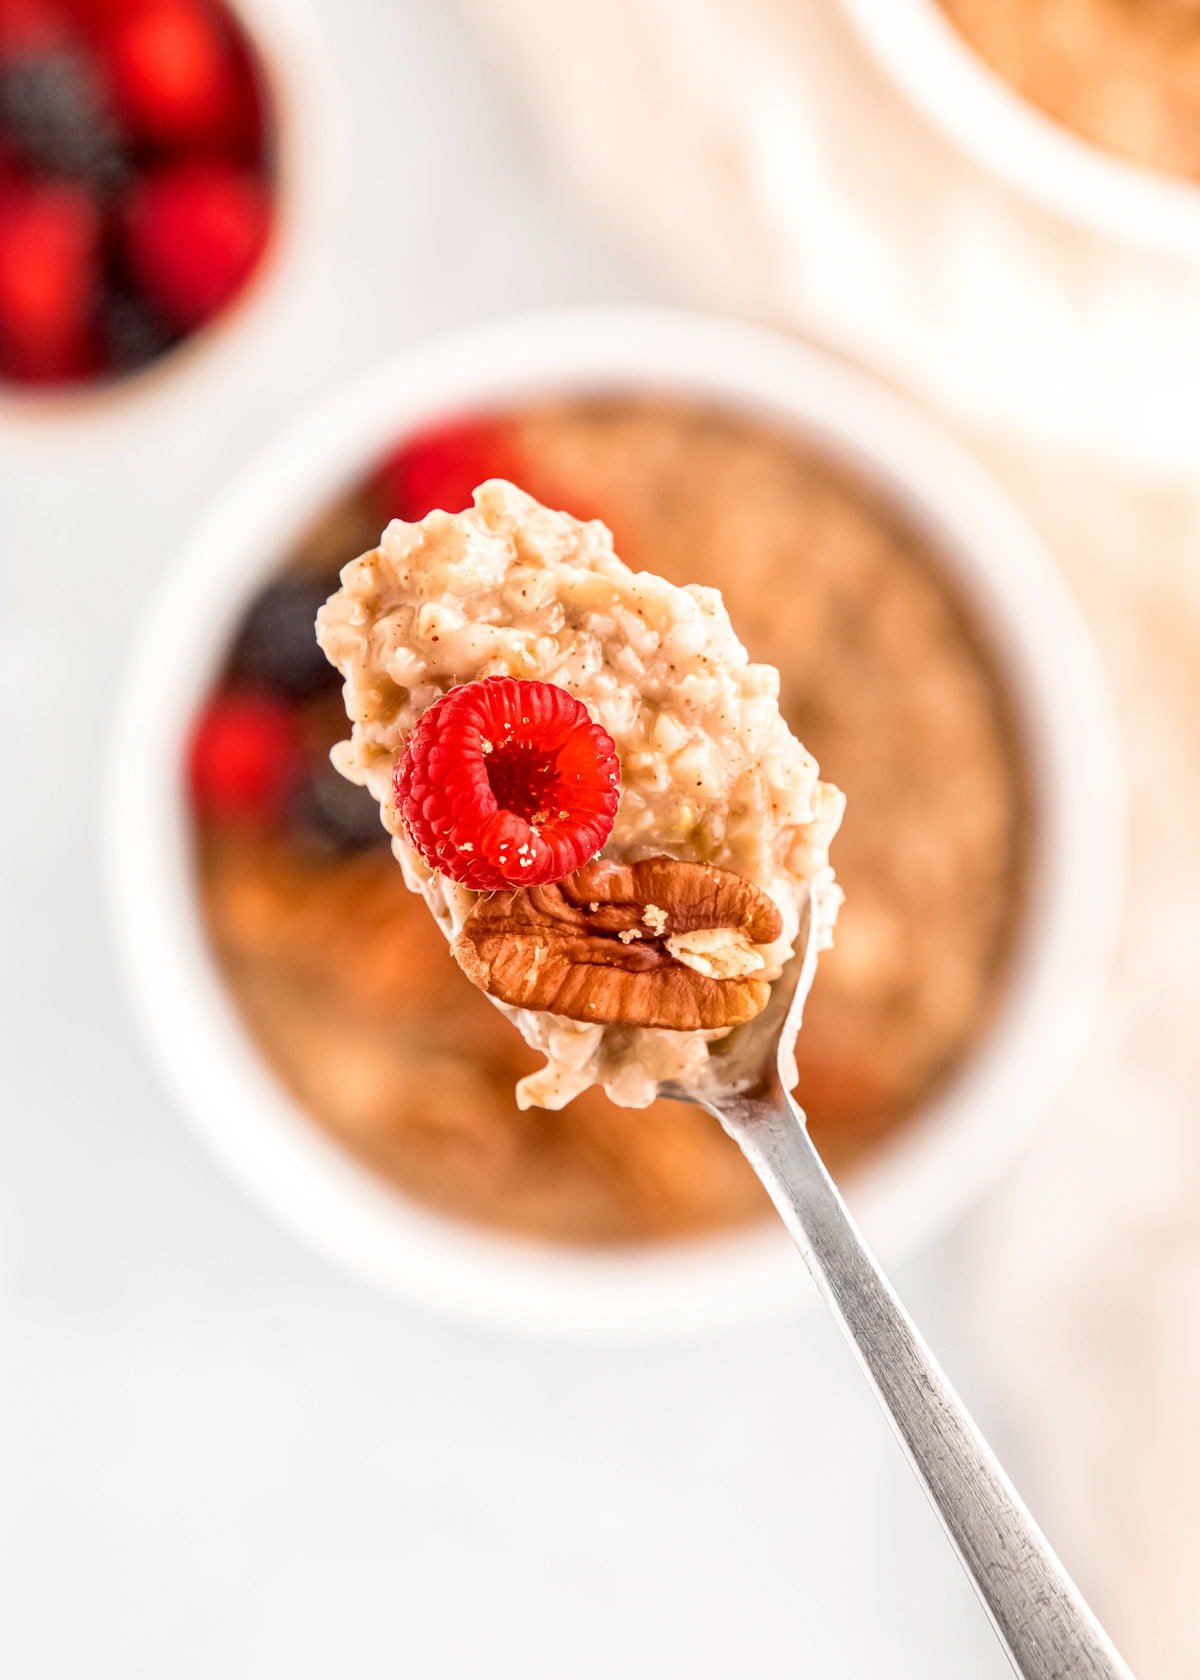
x: 1035, y: 1607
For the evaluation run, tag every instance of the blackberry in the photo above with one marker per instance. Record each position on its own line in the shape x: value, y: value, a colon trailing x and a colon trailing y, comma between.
x: 54, y: 112
x: 132, y: 331
x: 276, y: 647
x: 336, y: 815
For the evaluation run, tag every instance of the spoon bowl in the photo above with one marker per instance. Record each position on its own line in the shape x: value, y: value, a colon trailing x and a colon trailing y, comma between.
x: 757, y: 1061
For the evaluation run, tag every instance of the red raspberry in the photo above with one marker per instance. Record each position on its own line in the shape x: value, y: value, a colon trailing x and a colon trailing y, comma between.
x: 49, y: 255
x: 441, y: 467
x: 195, y: 232
x: 245, y: 760
x: 30, y: 25
x: 506, y: 783
x: 172, y: 71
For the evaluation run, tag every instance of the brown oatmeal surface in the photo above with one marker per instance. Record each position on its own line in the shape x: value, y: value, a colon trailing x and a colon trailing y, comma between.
x: 1124, y: 74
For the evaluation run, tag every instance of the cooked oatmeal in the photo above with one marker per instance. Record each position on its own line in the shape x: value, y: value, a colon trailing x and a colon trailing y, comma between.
x: 710, y: 773
x: 1124, y: 74
x: 349, y: 988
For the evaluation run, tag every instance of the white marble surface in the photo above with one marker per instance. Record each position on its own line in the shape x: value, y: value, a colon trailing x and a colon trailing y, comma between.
x: 218, y: 1457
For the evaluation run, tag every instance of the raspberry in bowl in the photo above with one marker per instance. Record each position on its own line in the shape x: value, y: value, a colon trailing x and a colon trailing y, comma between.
x: 307, y: 1012
x: 138, y: 182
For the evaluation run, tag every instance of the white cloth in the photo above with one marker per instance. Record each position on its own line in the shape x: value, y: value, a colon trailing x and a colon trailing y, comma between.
x: 1088, y: 1282
x: 761, y: 158
x: 751, y: 148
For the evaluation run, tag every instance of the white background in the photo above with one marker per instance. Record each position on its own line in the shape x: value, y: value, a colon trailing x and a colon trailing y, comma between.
x: 218, y: 1458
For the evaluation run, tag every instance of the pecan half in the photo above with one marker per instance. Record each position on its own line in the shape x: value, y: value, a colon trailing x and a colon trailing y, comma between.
x: 658, y: 943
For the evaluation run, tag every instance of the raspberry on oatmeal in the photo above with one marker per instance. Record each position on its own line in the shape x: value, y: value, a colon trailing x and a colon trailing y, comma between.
x: 710, y: 773
x: 507, y: 784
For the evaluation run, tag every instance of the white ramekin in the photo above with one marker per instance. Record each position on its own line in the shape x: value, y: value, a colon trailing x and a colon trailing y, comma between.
x: 940, y: 74
x: 294, y: 64
x: 931, y: 1172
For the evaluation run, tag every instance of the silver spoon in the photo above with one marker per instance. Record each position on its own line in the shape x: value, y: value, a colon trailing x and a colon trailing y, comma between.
x: 1039, y: 1616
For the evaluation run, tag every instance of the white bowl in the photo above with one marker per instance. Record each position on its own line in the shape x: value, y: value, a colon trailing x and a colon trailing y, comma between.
x: 920, y: 50
x: 295, y: 73
x: 912, y: 1189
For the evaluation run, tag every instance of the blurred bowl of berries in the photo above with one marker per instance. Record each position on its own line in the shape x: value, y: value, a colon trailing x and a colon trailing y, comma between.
x: 149, y: 179
x: 299, y: 1002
